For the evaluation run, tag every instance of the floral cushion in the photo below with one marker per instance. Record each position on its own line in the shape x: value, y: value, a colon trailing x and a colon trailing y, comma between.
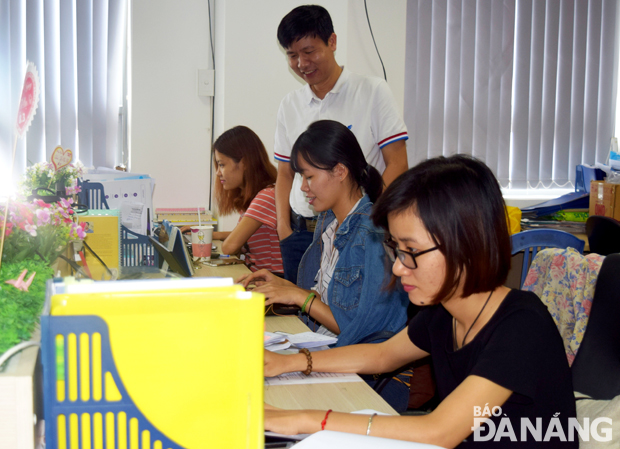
x: 565, y: 280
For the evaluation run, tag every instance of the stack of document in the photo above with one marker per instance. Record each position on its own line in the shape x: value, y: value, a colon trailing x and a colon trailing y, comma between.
x: 276, y: 342
x: 311, y: 340
x: 574, y: 227
x: 281, y: 340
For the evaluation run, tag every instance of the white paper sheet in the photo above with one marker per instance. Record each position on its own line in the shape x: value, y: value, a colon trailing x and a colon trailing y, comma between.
x: 310, y: 340
x: 314, y: 378
x: 328, y: 439
x: 133, y: 217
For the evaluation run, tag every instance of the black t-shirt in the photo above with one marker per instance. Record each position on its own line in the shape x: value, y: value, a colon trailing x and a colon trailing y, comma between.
x: 520, y: 349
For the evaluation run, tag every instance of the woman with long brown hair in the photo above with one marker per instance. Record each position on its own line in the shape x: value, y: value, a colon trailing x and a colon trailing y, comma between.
x: 245, y: 184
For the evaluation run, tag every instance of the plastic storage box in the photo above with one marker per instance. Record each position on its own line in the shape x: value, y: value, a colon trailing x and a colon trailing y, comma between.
x: 137, y: 250
x: 173, y: 363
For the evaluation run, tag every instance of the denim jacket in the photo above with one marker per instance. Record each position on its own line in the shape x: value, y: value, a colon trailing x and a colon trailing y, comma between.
x: 363, y: 306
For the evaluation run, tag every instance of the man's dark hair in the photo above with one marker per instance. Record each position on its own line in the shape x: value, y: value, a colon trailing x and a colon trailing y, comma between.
x: 461, y: 206
x: 305, y: 21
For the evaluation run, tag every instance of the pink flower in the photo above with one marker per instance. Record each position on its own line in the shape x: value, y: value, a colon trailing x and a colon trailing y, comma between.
x: 587, y: 306
x: 31, y: 229
x: 79, y: 229
x: 562, y: 303
x: 532, y: 277
x: 72, y: 190
x: 557, y: 267
x: 43, y: 216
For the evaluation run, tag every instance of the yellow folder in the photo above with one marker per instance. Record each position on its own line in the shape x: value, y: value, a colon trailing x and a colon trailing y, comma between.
x: 191, y: 359
x: 103, y: 230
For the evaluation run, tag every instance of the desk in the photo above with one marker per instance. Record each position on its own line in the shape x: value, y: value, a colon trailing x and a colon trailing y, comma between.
x: 226, y: 271
x: 339, y: 396
x: 233, y: 271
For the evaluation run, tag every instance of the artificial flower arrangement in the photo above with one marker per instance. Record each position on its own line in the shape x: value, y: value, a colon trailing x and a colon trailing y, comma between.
x: 36, y: 234
x: 38, y: 230
x: 45, y: 175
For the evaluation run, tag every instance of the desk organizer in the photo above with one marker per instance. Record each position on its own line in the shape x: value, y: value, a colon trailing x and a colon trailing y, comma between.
x: 184, y: 372
x: 137, y: 250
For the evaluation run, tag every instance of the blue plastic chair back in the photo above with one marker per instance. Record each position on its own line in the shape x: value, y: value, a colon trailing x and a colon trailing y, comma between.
x: 92, y: 195
x: 530, y: 242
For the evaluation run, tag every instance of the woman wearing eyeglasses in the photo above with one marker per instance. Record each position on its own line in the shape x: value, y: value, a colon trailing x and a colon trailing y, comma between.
x: 496, y: 352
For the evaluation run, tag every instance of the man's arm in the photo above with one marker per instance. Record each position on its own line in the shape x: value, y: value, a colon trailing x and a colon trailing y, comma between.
x: 284, y: 183
x: 395, y: 157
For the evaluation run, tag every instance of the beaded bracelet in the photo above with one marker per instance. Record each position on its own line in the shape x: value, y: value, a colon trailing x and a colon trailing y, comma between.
x: 309, y: 357
x: 325, y: 420
x: 310, y: 296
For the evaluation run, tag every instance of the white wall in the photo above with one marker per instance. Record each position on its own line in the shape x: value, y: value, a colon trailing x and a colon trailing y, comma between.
x: 170, y: 129
x: 170, y: 124
x: 389, y: 21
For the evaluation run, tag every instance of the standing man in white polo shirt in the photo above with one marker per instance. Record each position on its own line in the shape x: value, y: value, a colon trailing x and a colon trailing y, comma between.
x: 364, y: 104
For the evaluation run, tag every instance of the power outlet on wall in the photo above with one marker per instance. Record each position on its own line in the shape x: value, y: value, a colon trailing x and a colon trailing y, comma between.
x: 206, y: 83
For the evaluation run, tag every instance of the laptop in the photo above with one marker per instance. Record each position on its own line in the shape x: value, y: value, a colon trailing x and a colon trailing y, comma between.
x: 175, y: 254
x: 178, y: 260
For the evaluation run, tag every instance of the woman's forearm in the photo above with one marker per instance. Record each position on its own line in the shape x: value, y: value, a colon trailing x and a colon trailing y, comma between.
x: 369, y: 358
x: 322, y: 313
x: 221, y: 235
x: 360, y: 359
x: 423, y: 429
x: 347, y: 359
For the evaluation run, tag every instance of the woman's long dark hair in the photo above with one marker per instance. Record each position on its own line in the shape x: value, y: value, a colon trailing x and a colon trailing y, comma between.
x: 461, y: 206
x: 239, y: 143
x: 325, y: 144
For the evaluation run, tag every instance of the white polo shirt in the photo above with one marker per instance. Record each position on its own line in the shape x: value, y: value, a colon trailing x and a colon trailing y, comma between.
x: 364, y: 104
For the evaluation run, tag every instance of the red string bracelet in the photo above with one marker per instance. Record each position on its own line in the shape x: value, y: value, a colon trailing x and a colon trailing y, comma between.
x: 325, y: 420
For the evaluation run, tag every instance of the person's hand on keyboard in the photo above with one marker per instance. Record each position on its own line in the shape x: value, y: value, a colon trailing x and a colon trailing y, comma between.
x: 261, y: 277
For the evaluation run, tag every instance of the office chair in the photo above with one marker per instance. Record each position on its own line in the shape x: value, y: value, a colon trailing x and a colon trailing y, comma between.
x: 530, y: 242
x: 596, y: 369
x: 603, y: 235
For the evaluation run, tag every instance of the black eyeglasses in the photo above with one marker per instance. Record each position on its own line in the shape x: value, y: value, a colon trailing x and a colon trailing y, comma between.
x: 407, y: 258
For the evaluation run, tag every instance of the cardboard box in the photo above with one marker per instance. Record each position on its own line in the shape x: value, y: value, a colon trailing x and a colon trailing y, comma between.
x: 605, y: 199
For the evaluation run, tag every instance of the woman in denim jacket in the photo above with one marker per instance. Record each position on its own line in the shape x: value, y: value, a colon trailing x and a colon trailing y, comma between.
x: 342, y: 283
x: 366, y: 310
x: 344, y: 276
